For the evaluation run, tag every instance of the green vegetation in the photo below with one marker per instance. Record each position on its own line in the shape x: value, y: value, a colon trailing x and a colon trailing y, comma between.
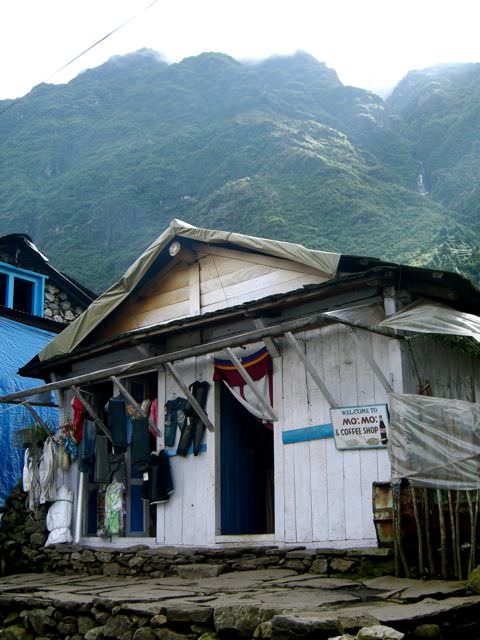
x: 94, y: 170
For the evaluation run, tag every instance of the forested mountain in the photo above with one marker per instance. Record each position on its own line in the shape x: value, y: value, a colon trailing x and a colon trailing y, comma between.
x: 94, y: 170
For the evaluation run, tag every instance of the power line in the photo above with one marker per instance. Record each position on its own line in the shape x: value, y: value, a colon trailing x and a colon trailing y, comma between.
x: 92, y: 46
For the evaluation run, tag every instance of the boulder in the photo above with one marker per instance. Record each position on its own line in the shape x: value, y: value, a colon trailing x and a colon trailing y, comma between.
x: 379, y: 632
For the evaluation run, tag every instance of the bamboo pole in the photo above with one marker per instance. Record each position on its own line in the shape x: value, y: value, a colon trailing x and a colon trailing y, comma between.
x: 428, y: 538
x: 397, y: 529
x: 458, y: 550
x: 473, y: 527
x: 443, y: 536
x: 418, y: 524
x: 456, y: 571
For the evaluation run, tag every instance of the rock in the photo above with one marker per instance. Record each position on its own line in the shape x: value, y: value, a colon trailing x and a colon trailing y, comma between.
x: 209, y: 635
x: 118, y: 627
x: 85, y: 624
x: 340, y: 565
x: 427, y: 631
x: 296, y: 565
x: 285, y: 627
x: 190, y: 614
x: 15, y: 632
x: 111, y: 569
x: 473, y: 582
x: 37, y: 539
x: 101, y: 617
x: 193, y: 571
x: 96, y: 633
x: 379, y: 632
x: 145, y: 633
x: 264, y: 630
x: 253, y: 563
x: 167, y: 634
x: 66, y: 628
x: 158, y: 621
x: 240, y: 620
x: 136, y: 562
x: 48, y: 313
x: 41, y: 620
x: 320, y: 565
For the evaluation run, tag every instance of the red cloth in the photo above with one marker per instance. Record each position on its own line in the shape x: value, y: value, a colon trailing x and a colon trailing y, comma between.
x: 78, y: 419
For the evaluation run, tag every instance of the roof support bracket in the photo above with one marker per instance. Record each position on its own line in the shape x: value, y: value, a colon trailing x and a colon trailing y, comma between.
x: 311, y: 369
x: 270, y: 343
x: 366, y: 352
x: 193, y: 401
x: 128, y: 396
x: 91, y: 411
x: 246, y: 376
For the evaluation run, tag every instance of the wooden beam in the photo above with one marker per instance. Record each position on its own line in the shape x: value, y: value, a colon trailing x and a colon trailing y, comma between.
x: 37, y: 418
x: 128, y: 396
x: 367, y: 354
x: 88, y: 407
x: 193, y: 401
x: 311, y: 369
x: 270, y: 343
x: 251, y: 384
x: 194, y: 288
x: 147, y: 364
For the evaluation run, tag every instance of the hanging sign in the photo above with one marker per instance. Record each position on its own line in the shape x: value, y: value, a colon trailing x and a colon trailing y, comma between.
x: 363, y: 427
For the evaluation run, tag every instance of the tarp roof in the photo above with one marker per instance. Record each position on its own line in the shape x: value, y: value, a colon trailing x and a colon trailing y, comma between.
x: 73, y: 335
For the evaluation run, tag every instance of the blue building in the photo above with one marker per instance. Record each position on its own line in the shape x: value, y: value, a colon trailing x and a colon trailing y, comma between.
x: 36, y: 302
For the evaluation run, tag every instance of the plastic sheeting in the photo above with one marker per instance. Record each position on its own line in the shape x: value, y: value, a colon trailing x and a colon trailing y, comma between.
x: 326, y: 263
x: 435, y: 442
x: 19, y: 343
x: 429, y: 317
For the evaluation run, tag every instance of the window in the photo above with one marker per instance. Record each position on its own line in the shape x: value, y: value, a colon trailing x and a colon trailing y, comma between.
x: 21, y: 289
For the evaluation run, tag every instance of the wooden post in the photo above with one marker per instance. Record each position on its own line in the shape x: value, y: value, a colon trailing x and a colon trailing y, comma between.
x: 451, y: 512
x: 37, y: 418
x: 397, y: 529
x: 251, y: 384
x: 127, y: 395
x: 88, y: 407
x: 426, y: 506
x: 443, y: 536
x: 419, y: 530
x: 193, y: 401
x: 311, y: 370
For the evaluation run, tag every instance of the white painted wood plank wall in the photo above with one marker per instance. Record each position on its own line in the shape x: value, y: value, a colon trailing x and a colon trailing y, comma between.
x: 327, y: 494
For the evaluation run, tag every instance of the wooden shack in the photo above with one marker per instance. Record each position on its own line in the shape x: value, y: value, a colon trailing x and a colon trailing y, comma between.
x: 292, y: 449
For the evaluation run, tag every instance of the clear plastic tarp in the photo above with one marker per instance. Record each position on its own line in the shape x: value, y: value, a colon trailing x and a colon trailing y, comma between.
x: 430, y: 317
x: 435, y: 442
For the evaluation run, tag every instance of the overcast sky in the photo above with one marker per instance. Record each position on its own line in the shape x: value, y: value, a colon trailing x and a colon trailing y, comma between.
x: 370, y: 43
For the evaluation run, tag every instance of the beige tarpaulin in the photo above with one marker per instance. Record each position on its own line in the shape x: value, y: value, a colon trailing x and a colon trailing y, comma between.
x: 430, y: 317
x: 326, y: 264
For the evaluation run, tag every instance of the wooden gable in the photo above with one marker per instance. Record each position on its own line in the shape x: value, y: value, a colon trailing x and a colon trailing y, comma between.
x: 205, y: 280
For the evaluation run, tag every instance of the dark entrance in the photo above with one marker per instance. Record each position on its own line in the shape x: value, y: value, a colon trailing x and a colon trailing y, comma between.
x: 246, y: 470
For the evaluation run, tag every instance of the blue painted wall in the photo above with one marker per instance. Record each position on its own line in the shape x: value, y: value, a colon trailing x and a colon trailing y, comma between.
x: 18, y: 344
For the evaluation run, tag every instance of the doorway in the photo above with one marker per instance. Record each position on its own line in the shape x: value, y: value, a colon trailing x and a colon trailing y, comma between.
x: 246, y: 470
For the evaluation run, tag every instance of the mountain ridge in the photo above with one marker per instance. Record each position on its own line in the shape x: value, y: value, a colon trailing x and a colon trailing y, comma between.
x: 96, y: 168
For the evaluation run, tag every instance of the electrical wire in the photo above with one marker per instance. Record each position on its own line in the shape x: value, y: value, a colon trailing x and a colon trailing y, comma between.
x: 89, y: 48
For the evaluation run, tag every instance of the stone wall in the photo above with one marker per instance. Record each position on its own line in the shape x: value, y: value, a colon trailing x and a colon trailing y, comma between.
x: 58, y: 305
x: 22, y: 536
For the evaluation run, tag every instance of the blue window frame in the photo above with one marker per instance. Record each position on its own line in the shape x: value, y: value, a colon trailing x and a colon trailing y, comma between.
x: 21, y: 289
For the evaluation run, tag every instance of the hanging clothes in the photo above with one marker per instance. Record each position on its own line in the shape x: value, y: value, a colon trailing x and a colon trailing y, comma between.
x: 159, y: 486
x: 175, y: 417
x: 153, y: 416
x: 141, y: 444
x: 259, y: 366
x: 47, y: 471
x: 117, y: 467
x: 78, y: 419
x: 102, y: 466
x: 114, y: 508
x: 194, y: 428
x: 86, y: 449
x: 117, y: 421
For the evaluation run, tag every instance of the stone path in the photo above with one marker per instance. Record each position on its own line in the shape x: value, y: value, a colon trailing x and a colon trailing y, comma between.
x: 238, y: 602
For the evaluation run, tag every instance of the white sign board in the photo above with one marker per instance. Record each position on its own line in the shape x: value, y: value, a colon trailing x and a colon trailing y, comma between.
x: 364, y: 427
